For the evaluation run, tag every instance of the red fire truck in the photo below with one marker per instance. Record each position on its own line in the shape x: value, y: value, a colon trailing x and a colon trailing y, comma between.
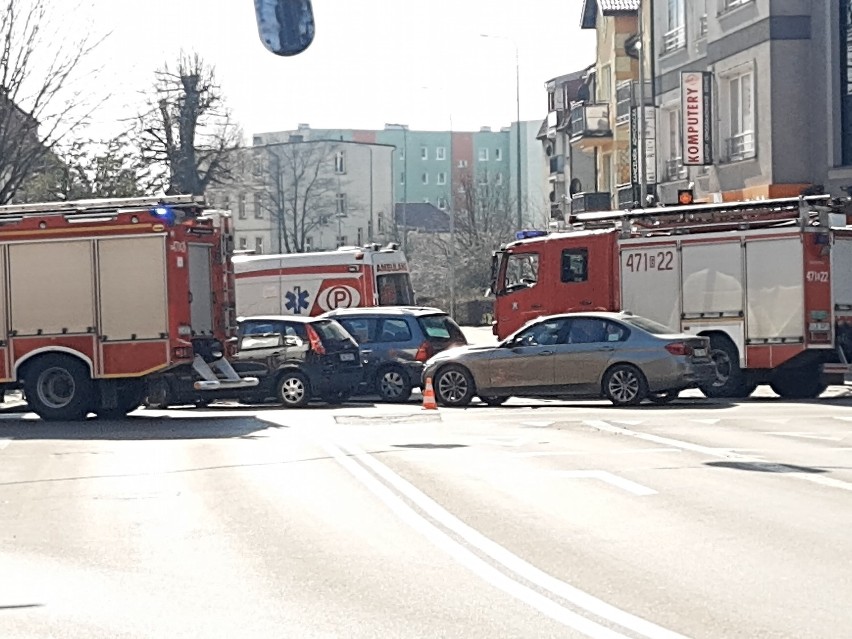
x: 313, y: 283
x: 769, y: 282
x: 100, y: 298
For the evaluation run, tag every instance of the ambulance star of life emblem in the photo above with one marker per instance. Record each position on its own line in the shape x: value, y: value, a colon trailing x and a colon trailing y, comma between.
x: 297, y: 300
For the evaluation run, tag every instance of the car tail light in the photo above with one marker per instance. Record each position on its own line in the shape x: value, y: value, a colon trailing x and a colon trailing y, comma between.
x: 315, y: 341
x: 424, y: 352
x: 679, y: 348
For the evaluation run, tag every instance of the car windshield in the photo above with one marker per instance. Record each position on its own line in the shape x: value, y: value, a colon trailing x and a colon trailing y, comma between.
x: 650, y: 326
x: 441, y: 328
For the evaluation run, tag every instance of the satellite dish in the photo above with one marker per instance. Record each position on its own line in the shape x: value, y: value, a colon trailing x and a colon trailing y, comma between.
x: 576, y: 187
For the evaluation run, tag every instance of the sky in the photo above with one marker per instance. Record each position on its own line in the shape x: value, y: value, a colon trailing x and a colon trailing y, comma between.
x: 418, y: 62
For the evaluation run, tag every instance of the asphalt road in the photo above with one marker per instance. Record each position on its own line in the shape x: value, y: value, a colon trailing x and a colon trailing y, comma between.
x: 700, y: 519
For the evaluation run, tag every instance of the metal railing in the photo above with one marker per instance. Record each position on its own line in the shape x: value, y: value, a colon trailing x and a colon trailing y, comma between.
x: 674, y: 39
x: 741, y: 146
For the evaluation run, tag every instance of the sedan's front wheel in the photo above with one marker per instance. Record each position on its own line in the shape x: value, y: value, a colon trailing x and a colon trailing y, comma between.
x: 625, y: 385
x: 454, y: 386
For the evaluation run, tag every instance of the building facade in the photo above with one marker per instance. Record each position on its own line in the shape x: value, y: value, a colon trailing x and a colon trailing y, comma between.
x: 778, y: 116
x: 433, y: 166
x: 299, y: 195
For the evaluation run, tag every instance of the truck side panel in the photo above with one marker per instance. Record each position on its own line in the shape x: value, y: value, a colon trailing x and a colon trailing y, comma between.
x: 52, y: 287
x: 133, y: 300
x: 712, y: 279
x: 200, y: 288
x: 775, y: 307
x: 650, y: 282
x: 134, y: 323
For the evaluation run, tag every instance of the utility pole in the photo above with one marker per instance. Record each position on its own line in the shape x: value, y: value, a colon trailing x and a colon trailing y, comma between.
x: 643, y: 170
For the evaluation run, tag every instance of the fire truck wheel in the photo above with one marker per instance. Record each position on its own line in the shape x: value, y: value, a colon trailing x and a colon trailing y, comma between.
x: 454, y: 386
x: 802, y: 383
x: 625, y: 385
x: 130, y: 396
x: 731, y: 381
x: 58, y: 387
x: 392, y: 384
x: 158, y: 394
x: 294, y: 391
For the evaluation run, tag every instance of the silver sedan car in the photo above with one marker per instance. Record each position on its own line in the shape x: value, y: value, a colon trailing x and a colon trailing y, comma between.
x: 622, y: 357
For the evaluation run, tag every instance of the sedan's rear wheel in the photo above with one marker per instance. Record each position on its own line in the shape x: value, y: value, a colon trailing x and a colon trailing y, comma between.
x: 454, y: 386
x: 625, y: 385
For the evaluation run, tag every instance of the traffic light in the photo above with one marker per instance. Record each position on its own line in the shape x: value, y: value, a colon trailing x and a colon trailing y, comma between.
x: 685, y: 196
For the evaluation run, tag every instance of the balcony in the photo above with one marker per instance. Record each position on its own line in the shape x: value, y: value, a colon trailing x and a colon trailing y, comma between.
x: 588, y: 202
x: 674, y: 39
x: 675, y: 170
x: 627, y: 98
x: 590, y: 125
x: 741, y: 147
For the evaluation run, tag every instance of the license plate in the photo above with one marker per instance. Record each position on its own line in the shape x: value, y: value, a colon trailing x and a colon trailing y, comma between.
x: 820, y: 327
x: 700, y: 352
x: 347, y: 357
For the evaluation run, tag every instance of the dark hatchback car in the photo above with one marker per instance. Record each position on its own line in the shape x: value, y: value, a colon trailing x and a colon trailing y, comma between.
x: 296, y: 359
x: 395, y: 342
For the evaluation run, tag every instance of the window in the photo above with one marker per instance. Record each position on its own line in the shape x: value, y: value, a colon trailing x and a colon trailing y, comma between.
x: 846, y: 81
x: 741, y: 111
x: 395, y: 289
x: 257, y: 166
x: 402, y: 178
x: 226, y: 202
x: 341, y: 241
x: 675, y: 35
x: 483, y: 155
x: 442, y: 178
x: 425, y: 178
x: 340, y: 203
x: 442, y: 329
x: 340, y: 162
x: 605, y: 84
x: 462, y: 164
x: 394, y: 330
x: 575, y: 265
x: 309, y: 244
x: 360, y: 236
x: 258, y: 245
x: 675, y: 170
x: 544, y: 333
x: 243, y: 243
x: 424, y: 153
x: 591, y: 330
x: 442, y: 203
x: 380, y: 221
x: 241, y: 206
x: 733, y: 4
x: 498, y: 155
x: 440, y: 153
x: 498, y: 179
x: 362, y: 329
x: 258, y: 208
x: 521, y: 271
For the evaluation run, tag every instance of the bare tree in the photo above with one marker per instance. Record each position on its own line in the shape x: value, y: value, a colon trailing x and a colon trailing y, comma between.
x: 39, y: 105
x: 300, y: 190
x: 86, y: 169
x: 186, y: 132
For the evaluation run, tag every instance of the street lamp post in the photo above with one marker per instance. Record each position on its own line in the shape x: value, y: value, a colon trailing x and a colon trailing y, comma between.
x: 520, y: 220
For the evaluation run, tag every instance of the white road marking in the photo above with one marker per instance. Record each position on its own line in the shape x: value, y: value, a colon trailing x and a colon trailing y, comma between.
x: 830, y: 438
x: 567, y: 453
x: 538, y: 424
x: 723, y: 453
x: 4, y: 443
x: 609, y: 478
x: 503, y: 556
x: 461, y: 554
x: 709, y: 422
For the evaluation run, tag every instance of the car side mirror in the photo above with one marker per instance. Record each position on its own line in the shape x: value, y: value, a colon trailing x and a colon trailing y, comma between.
x: 286, y: 27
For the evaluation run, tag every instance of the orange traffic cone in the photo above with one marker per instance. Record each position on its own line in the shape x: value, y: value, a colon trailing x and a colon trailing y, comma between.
x: 429, y: 402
